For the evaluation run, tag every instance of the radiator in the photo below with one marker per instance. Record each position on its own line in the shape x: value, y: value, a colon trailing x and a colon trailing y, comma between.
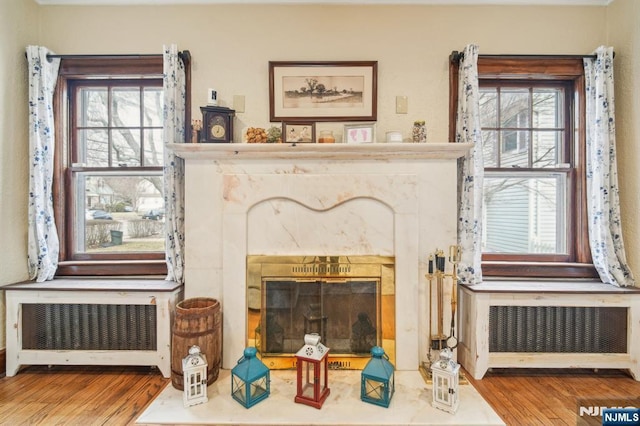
x: 560, y: 329
x: 61, y: 326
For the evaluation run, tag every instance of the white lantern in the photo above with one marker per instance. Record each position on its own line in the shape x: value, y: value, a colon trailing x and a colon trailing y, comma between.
x: 444, y: 373
x: 194, y: 370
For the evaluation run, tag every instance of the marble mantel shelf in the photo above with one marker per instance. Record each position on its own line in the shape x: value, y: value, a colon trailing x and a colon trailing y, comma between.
x: 374, y: 151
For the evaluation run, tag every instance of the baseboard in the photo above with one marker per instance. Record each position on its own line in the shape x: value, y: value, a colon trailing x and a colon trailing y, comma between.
x: 3, y: 362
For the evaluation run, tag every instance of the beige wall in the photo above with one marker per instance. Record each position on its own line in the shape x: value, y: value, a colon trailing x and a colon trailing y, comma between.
x: 231, y: 46
x: 18, y: 28
x: 624, y: 35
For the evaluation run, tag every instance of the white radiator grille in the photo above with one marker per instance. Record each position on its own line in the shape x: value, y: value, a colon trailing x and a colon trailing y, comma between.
x: 557, y: 329
x: 88, y: 327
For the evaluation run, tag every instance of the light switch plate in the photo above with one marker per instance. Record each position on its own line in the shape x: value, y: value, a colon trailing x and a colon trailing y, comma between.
x: 402, y: 105
x: 238, y: 103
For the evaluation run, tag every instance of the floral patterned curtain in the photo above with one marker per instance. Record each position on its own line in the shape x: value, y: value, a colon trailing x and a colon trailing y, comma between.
x: 174, y: 121
x: 603, y: 203
x: 43, y: 244
x: 470, y: 169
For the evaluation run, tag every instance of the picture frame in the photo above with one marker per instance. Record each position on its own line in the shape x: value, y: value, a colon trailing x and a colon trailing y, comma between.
x: 359, y: 133
x: 323, y: 91
x: 298, y: 132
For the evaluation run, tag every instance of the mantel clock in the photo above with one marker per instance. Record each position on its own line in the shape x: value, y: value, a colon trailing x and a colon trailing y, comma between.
x: 217, y: 124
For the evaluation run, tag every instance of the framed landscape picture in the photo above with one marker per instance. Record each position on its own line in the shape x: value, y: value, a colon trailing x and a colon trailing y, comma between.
x: 323, y: 91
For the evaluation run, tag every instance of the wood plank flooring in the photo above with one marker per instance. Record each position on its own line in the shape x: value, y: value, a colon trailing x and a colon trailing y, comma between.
x: 58, y: 395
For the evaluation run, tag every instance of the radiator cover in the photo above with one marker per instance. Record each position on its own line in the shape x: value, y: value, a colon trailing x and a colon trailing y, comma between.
x: 89, y: 327
x: 560, y: 329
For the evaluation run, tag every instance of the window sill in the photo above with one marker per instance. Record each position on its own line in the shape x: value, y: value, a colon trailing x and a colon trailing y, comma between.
x: 115, y: 268
x: 558, y: 286
x: 547, y: 270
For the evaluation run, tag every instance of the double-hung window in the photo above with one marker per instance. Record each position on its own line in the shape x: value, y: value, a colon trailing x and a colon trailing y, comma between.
x: 108, y: 186
x: 533, y: 144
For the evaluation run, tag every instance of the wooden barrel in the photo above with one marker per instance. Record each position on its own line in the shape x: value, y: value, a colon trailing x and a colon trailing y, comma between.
x: 197, y: 322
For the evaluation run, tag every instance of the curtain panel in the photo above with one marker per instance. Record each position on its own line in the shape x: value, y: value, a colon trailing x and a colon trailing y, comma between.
x: 470, y: 169
x: 174, y: 87
x: 43, y: 243
x: 603, y: 201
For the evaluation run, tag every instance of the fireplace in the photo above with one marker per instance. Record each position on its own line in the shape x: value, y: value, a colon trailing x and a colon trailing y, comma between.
x: 315, y: 202
x: 349, y: 301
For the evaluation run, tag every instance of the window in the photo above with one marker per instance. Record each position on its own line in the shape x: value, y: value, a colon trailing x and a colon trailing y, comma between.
x: 534, y: 208
x: 108, y: 185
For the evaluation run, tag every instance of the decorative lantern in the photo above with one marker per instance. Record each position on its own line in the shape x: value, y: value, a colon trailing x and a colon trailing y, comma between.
x: 312, y: 368
x: 194, y: 370
x: 378, y: 379
x: 250, y: 379
x: 445, y: 382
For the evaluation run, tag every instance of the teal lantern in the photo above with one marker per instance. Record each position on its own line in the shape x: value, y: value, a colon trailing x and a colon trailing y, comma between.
x: 378, y: 383
x: 250, y: 381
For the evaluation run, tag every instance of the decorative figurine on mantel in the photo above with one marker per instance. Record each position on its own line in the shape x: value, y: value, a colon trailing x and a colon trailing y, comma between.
x: 312, y: 371
x: 445, y: 384
x: 194, y: 369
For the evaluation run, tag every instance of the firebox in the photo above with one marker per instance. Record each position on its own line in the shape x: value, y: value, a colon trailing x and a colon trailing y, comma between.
x: 349, y: 301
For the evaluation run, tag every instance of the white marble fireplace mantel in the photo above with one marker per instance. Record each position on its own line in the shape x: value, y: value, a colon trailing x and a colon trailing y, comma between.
x: 317, y: 199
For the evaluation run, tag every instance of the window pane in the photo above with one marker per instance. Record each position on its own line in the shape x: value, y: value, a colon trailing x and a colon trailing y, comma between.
x: 488, y: 108
x: 514, y: 108
x: 93, y: 147
x: 547, y: 148
x: 92, y: 107
x: 490, y: 148
x: 125, y: 107
x: 524, y: 213
x: 153, y: 148
x: 547, y: 108
x: 125, y: 148
x: 152, y: 107
x: 132, y: 206
x: 514, y: 148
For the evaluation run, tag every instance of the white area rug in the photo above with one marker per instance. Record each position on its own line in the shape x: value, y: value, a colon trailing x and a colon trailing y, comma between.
x: 410, y: 405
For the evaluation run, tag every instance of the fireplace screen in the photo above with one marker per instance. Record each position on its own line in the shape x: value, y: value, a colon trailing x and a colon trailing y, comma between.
x: 348, y: 300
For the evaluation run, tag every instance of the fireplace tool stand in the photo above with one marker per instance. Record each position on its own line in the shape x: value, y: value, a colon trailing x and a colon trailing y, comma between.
x: 437, y: 278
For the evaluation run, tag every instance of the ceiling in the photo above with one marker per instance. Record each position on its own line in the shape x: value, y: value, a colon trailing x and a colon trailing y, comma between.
x: 426, y: 2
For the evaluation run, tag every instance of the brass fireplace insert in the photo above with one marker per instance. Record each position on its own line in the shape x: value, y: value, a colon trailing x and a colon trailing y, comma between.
x: 348, y: 300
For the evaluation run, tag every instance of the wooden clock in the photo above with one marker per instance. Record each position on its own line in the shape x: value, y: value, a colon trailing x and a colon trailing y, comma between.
x: 217, y: 124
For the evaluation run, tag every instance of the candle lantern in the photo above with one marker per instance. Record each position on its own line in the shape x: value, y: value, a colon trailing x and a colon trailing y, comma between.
x: 378, y: 379
x: 445, y: 382
x: 312, y: 368
x: 250, y: 379
x: 194, y: 370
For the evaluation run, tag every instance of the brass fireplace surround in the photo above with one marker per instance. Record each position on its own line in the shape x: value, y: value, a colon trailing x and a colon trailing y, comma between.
x: 348, y: 300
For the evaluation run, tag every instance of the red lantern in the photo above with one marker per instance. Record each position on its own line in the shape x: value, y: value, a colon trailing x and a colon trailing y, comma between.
x: 312, y: 368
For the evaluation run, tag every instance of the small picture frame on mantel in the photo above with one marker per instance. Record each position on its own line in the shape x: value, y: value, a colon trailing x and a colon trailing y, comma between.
x: 359, y: 133
x: 299, y: 132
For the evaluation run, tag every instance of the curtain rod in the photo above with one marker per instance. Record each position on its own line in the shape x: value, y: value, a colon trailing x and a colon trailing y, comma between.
x: 185, y: 54
x: 457, y: 56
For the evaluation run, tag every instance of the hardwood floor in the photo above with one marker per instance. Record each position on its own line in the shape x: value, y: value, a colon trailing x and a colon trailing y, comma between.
x: 78, y: 395
x: 41, y: 395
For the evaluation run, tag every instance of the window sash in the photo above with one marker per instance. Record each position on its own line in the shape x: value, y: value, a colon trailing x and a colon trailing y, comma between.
x: 568, y: 71
x: 90, y: 70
